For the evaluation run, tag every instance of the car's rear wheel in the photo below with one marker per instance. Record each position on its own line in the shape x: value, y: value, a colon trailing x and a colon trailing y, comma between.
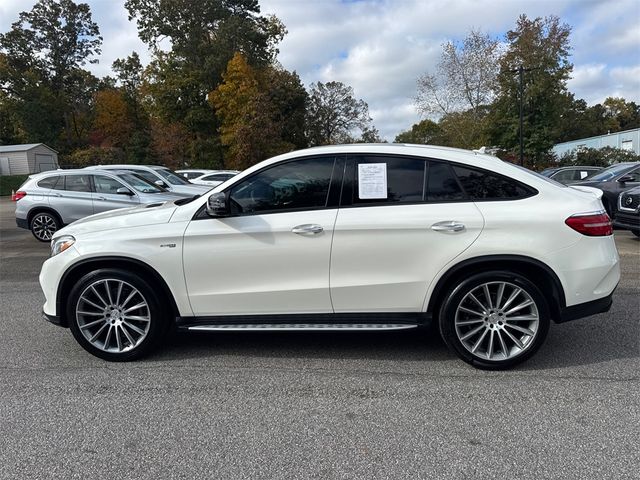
x: 494, y: 320
x: 44, y: 225
x: 116, y: 315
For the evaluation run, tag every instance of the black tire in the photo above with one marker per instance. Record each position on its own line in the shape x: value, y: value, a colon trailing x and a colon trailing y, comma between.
x: 157, y: 312
x: 43, y: 225
x: 459, y: 294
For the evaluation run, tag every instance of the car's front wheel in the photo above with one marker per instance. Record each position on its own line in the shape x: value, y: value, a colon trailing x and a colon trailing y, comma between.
x: 494, y: 320
x: 116, y: 315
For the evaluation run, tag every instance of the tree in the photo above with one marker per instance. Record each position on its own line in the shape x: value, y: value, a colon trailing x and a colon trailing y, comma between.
x: 334, y: 113
x: 250, y: 127
x: 541, y: 45
x: 464, y: 79
x: 113, y: 123
x: 601, y: 157
x: 43, y: 55
x: 423, y: 133
x: 462, y: 86
x: 203, y: 36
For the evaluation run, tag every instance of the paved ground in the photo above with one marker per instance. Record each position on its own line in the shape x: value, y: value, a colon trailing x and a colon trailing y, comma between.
x: 322, y: 406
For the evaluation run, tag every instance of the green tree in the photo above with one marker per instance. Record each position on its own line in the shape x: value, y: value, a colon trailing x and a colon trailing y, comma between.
x: 333, y: 114
x: 203, y: 37
x: 41, y: 71
x: 542, y: 45
x: 423, y: 133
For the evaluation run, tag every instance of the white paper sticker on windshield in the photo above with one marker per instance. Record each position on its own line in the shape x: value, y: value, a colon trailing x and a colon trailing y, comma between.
x: 372, y: 180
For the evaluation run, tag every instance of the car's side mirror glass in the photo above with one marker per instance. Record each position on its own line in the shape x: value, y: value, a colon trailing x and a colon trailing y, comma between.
x: 625, y: 179
x: 160, y: 183
x: 124, y: 191
x: 218, y: 205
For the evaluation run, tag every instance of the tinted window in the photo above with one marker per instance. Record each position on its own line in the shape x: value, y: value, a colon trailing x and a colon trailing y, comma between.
x: 106, y: 184
x: 148, y: 176
x: 290, y: 186
x: 77, y: 183
x: 404, y: 178
x: 566, y: 175
x: 442, y: 184
x: 49, y: 182
x: 635, y: 175
x: 609, y: 172
x: 484, y: 185
x: 218, y: 177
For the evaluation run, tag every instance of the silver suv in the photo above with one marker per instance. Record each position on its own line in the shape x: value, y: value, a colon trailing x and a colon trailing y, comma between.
x: 162, y: 177
x: 48, y: 201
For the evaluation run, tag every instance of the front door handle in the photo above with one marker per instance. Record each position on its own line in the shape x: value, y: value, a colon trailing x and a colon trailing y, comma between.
x: 307, y: 229
x: 101, y: 198
x: 448, y: 226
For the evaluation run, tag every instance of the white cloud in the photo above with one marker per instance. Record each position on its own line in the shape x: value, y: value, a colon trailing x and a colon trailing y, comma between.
x: 380, y: 47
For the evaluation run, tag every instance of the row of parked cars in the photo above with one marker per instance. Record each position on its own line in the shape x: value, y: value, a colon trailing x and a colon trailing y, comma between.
x: 620, y: 184
x: 50, y: 200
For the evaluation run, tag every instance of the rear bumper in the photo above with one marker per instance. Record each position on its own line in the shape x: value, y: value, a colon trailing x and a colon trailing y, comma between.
x: 22, y: 223
x: 587, y: 309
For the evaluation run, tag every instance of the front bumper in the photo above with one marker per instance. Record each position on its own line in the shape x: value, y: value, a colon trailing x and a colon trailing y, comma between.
x: 627, y: 221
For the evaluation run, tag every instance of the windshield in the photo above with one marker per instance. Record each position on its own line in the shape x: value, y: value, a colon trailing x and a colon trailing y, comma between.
x: 138, y: 183
x: 609, y: 173
x: 171, y: 177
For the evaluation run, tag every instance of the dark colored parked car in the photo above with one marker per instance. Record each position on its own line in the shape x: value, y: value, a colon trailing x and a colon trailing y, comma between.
x: 570, y: 174
x: 613, y: 181
x: 628, y: 213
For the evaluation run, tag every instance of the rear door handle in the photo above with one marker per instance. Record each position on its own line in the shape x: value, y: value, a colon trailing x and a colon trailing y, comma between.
x: 307, y: 229
x: 101, y: 198
x: 448, y: 226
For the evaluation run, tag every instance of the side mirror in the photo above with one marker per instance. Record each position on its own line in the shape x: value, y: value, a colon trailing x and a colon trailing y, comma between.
x: 160, y: 183
x: 124, y: 191
x: 625, y: 179
x: 218, y: 205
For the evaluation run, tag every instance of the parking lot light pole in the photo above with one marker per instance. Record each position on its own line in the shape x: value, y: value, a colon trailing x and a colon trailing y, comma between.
x: 520, y: 71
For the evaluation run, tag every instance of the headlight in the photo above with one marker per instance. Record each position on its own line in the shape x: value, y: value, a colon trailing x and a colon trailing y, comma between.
x: 60, y: 244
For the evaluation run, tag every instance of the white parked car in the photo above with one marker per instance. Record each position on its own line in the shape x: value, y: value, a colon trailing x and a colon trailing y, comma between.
x: 190, y: 174
x: 213, y: 179
x: 357, y: 237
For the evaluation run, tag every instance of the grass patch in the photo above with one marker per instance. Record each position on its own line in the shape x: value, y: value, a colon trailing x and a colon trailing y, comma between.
x: 11, y: 182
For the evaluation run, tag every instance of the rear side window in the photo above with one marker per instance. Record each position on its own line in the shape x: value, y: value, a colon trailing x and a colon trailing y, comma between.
x: 77, y: 183
x: 442, y: 185
x: 402, y: 177
x: 49, y: 182
x: 484, y: 185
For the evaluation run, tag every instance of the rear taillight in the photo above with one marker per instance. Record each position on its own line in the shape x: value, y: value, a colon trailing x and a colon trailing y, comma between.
x: 20, y: 194
x: 594, y: 224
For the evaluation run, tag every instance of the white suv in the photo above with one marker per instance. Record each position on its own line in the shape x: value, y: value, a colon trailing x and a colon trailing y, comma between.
x: 357, y: 237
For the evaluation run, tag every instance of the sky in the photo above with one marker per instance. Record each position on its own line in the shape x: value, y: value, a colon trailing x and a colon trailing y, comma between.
x: 381, y: 47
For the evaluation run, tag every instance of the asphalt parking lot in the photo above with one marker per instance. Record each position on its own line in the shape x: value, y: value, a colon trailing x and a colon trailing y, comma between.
x: 321, y: 405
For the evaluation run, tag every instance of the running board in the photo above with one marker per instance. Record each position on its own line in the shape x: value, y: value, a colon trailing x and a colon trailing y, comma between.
x: 308, y: 327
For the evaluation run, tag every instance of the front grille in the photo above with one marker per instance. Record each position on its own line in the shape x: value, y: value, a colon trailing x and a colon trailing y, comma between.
x: 628, y: 202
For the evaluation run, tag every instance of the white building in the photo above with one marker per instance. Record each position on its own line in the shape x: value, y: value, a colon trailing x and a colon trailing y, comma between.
x: 27, y: 158
x: 627, y: 140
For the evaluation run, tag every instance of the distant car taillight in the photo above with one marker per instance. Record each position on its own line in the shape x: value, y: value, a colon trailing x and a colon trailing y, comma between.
x: 20, y: 194
x: 594, y: 224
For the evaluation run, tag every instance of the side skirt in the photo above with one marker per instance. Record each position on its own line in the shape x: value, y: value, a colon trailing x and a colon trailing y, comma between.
x: 307, y: 322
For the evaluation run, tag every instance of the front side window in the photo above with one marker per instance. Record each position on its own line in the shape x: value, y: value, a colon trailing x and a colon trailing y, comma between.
x: 139, y: 183
x: 381, y: 179
x: 77, y: 183
x: 301, y: 184
x: 483, y: 185
x: 107, y: 185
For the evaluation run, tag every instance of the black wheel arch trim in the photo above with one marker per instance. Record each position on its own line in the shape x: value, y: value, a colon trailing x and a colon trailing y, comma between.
x: 80, y: 266
x: 557, y: 307
x: 42, y: 209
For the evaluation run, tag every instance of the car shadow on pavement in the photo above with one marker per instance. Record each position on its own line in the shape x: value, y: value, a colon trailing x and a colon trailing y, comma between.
x: 415, y: 345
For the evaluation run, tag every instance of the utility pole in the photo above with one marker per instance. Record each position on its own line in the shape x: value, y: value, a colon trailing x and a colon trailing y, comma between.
x: 520, y: 71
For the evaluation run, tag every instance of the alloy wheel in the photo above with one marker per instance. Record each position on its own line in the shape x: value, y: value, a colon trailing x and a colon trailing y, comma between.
x: 44, y: 226
x: 497, y: 321
x: 113, y: 315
